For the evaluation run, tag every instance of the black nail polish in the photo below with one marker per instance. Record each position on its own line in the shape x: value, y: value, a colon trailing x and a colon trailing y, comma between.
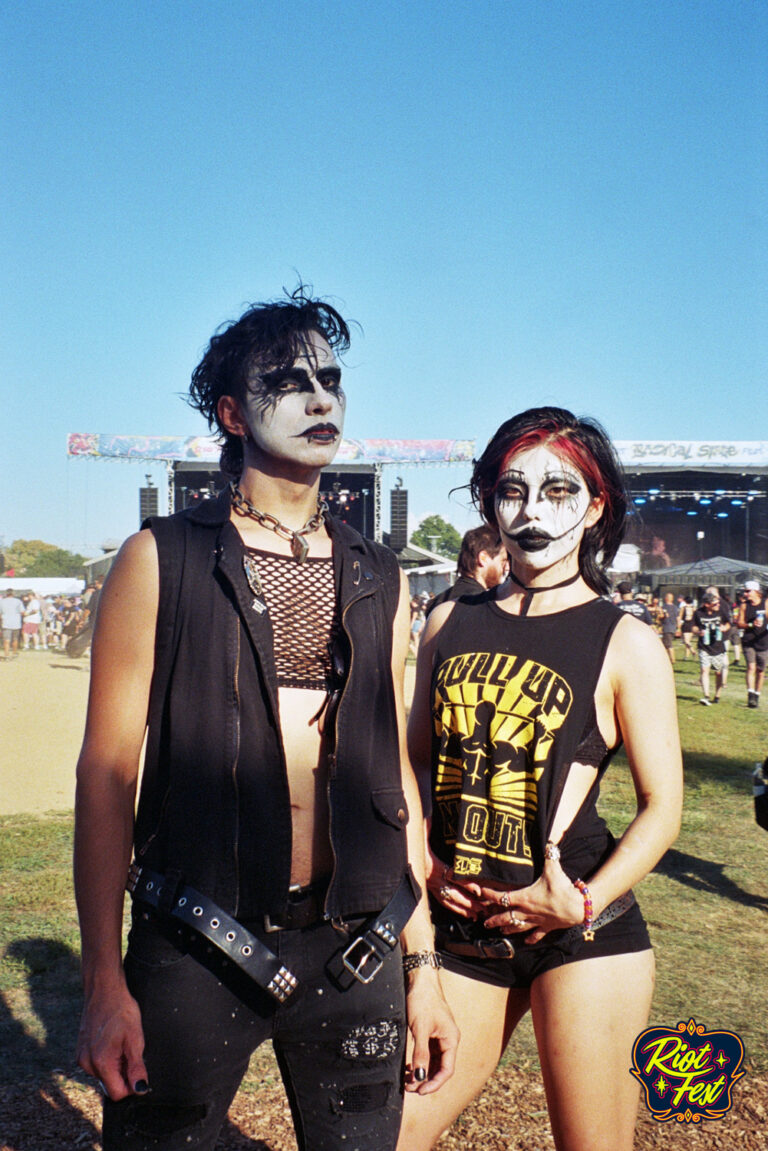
x: 141, y: 1087
x: 420, y: 1074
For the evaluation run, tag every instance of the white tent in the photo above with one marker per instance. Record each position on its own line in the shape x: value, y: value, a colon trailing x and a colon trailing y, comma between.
x: 43, y: 585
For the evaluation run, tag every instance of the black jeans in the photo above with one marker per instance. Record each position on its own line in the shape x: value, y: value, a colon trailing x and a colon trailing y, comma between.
x: 339, y: 1043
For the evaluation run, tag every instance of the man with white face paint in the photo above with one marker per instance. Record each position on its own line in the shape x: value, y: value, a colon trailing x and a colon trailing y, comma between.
x: 275, y: 875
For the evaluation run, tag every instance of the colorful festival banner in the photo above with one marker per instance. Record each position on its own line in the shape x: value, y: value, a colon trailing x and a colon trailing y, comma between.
x: 205, y: 449
x: 635, y: 455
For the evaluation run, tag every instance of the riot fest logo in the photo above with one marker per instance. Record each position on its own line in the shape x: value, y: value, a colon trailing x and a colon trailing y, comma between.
x: 687, y: 1072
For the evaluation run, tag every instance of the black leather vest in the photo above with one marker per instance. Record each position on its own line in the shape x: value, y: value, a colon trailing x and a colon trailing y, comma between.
x: 214, y: 807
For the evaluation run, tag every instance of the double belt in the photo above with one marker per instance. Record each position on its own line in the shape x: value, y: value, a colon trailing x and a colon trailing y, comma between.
x: 502, y: 947
x: 362, y: 958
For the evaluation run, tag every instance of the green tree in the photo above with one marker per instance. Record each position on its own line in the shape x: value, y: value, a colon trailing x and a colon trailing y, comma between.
x: 36, y: 558
x: 437, y: 535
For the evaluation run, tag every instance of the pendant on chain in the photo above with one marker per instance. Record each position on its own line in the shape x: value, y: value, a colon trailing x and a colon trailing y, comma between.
x: 297, y: 538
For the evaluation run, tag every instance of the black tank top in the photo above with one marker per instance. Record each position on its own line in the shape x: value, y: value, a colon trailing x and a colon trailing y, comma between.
x: 512, y: 700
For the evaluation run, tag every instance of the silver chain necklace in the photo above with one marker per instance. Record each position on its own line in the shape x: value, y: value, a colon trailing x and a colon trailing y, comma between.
x: 299, y: 545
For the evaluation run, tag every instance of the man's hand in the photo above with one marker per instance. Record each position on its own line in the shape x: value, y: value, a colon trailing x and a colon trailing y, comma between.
x: 110, y: 1045
x: 434, y: 1035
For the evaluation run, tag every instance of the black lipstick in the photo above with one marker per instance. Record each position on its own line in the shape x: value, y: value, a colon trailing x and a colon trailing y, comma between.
x: 322, y: 433
x: 529, y: 540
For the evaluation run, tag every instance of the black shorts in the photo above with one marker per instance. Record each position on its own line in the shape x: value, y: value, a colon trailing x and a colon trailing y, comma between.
x: 624, y: 935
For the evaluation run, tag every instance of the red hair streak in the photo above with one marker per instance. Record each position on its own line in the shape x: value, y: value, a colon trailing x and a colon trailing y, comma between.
x: 568, y: 449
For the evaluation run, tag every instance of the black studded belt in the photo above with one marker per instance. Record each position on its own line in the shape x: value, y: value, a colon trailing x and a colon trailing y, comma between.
x: 204, y: 916
x: 362, y: 958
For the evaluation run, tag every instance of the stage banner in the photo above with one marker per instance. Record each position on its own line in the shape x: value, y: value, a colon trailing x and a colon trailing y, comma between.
x: 205, y: 449
x: 677, y: 455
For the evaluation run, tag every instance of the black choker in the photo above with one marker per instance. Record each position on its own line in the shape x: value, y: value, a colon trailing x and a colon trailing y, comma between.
x: 530, y: 592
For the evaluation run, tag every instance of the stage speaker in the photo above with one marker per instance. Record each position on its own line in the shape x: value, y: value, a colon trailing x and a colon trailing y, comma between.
x: 147, y: 503
x: 398, y: 519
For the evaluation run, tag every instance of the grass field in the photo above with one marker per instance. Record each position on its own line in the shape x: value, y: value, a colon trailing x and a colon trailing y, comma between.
x: 706, y: 903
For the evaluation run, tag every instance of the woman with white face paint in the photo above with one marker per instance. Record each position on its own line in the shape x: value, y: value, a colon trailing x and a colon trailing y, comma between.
x: 522, y: 697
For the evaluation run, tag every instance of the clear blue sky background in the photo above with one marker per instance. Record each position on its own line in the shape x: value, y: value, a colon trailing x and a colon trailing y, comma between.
x: 521, y: 202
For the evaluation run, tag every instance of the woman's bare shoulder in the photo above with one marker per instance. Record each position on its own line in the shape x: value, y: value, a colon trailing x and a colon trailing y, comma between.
x: 634, y: 648
x: 437, y: 618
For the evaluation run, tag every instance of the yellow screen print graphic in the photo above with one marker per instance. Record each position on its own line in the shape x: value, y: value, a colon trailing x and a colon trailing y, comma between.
x: 496, y: 717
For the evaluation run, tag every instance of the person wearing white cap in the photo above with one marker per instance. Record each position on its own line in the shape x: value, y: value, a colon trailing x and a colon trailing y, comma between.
x: 752, y: 619
x: 711, y: 623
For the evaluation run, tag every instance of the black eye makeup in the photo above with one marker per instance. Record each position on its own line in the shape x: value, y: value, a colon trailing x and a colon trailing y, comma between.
x: 270, y: 387
x: 331, y: 381
x: 561, y: 487
x: 555, y: 487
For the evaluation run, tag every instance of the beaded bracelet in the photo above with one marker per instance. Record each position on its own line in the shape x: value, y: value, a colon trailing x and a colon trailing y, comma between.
x: 416, y: 959
x: 587, y: 931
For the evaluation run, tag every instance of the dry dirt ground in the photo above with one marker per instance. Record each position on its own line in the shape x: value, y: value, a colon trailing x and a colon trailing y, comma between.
x: 42, y: 707
x: 509, y: 1116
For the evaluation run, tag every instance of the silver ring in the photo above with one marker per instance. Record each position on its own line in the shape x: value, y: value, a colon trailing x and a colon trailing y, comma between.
x: 514, y: 921
x: 445, y: 892
x: 505, y: 899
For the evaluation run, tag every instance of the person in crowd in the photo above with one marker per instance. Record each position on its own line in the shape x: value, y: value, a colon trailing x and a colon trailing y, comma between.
x: 711, y: 623
x: 417, y: 627
x: 668, y: 612
x: 628, y: 602
x: 482, y: 564
x: 685, y: 623
x: 12, y: 615
x: 654, y: 610
x: 736, y: 634
x: 522, y: 696
x: 31, y: 625
x: 752, y: 621
x: 276, y: 875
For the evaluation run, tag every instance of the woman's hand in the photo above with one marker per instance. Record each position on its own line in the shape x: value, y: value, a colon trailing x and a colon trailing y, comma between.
x: 463, y: 899
x: 550, y: 903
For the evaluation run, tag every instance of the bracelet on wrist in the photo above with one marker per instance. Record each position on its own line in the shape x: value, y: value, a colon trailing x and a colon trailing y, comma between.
x: 586, y: 925
x: 414, y: 959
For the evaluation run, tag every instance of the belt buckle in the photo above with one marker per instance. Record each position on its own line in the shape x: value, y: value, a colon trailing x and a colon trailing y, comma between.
x: 495, y: 948
x: 356, y: 967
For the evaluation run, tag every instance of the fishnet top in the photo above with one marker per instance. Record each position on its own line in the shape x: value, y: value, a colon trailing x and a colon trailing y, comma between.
x: 302, y: 607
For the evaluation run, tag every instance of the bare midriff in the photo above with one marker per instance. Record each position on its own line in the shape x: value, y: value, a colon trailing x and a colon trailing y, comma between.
x: 307, y: 768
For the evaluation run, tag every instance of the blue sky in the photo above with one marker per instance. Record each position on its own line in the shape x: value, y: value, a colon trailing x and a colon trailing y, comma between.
x: 521, y: 203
